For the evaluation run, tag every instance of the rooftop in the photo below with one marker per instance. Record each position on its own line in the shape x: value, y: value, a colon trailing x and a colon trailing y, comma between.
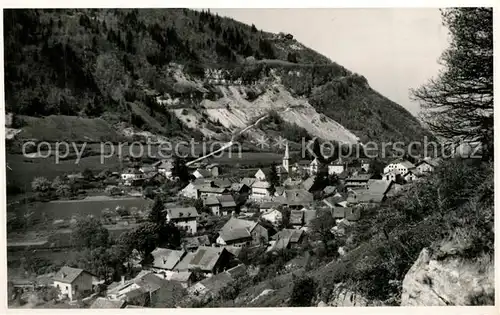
x: 179, y: 213
x: 166, y: 258
x: 206, y: 258
x: 68, y: 274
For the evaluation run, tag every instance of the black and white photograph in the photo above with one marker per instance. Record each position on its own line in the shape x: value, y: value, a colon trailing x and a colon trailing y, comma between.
x: 248, y: 157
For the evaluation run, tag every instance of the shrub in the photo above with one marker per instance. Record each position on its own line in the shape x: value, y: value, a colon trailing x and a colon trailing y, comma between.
x: 304, y: 290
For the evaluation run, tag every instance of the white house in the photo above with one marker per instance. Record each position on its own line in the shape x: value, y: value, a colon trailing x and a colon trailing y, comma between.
x: 132, y: 174
x: 391, y: 176
x: 73, y: 282
x: 314, y: 166
x: 260, y: 189
x: 402, y: 167
x: 409, y: 176
x: 260, y: 175
x: 183, y: 218
x: 336, y: 167
x: 202, y: 173
x: 426, y: 166
x: 190, y: 191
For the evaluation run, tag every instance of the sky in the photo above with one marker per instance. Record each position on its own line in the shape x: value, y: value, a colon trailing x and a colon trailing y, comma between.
x: 396, y: 49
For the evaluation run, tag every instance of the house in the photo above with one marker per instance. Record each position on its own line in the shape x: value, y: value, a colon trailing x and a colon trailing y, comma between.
x: 349, y: 213
x: 362, y: 196
x: 260, y: 175
x: 409, y: 176
x: 192, y: 243
x: 336, y: 167
x: 210, y: 260
x: 401, y: 166
x: 132, y: 174
x: 145, y: 289
x: 202, y: 173
x: 227, y: 204
x: 183, y: 218
x: 359, y: 180
x: 426, y: 166
x: 236, y: 231
x: 165, y: 167
x: 190, y: 191
x: 185, y: 278
x: 297, y: 218
x: 205, y: 190
x: 274, y: 216
x: 391, y: 176
x: 212, y: 203
x: 314, y: 166
x: 102, y: 302
x: 73, y: 282
x: 298, y: 198
x: 164, y: 260
x: 334, y: 201
x: 260, y: 190
x: 286, y: 238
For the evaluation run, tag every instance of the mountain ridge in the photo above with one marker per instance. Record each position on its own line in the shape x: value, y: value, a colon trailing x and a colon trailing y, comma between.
x: 105, y: 63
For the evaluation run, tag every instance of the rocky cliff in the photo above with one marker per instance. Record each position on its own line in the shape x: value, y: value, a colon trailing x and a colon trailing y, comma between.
x: 452, y: 280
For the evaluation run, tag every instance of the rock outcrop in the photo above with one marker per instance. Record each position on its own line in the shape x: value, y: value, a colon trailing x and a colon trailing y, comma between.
x: 450, y: 280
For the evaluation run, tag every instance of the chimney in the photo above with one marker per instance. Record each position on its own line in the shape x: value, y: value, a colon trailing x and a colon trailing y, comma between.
x: 123, y: 279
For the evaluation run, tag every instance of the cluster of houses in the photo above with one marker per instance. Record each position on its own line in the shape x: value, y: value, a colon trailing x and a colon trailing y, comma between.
x: 217, y: 260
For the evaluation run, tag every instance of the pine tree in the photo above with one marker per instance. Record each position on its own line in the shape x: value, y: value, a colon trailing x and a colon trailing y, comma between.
x: 157, y: 215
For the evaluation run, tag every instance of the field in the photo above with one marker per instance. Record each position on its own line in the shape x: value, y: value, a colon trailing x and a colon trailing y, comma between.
x: 65, y: 210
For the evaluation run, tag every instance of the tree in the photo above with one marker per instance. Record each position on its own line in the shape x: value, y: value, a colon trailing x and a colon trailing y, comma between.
x: 89, y: 233
x: 273, y: 178
x: 180, y: 170
x: 322, y: 228
x: 56, y: 183
x: 459, y: 101
x: 304, y: 290
x: 40, y: 184
x: 144, y: 239
x: 156, y: 215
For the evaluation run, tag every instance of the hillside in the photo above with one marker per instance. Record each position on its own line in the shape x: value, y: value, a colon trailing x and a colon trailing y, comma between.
x: 113, y: 64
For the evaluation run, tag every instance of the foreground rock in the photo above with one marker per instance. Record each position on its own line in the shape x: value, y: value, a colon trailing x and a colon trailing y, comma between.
x: 452, y: 280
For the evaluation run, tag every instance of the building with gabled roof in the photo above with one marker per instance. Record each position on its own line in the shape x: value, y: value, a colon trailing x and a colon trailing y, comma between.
x: 210, y: 260
x: 73, y: 282
x: 242, y: 232
x: 298, y: 198
x: 183, y: 218
x: 166, y: 259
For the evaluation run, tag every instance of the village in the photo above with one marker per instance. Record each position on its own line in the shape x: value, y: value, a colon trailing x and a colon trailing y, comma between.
x: 274, y: 210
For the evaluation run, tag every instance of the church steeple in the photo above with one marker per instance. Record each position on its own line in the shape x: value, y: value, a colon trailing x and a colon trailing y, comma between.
x: 286, y: 158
